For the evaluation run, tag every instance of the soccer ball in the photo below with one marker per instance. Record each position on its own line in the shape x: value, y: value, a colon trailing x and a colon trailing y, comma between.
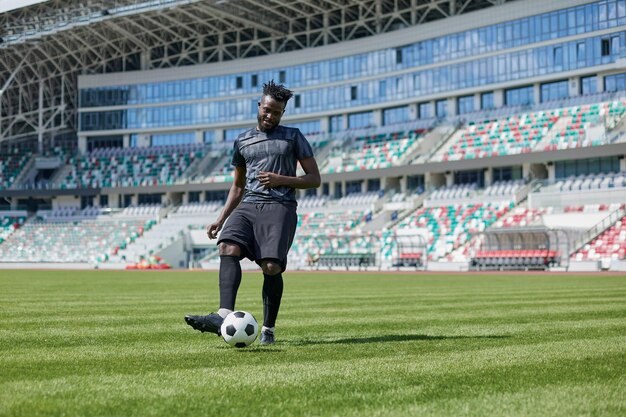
x: 240, y: 329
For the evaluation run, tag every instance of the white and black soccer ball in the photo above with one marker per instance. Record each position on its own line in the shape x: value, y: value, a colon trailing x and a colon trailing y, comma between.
x: 239, y: 329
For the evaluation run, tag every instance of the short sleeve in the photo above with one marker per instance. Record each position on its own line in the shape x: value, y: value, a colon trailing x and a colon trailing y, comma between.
x: 238, y: 160
x: 303, y: 147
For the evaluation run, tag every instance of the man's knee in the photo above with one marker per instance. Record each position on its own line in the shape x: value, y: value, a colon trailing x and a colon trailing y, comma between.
x: 271, y: 268
x: 229, y: 249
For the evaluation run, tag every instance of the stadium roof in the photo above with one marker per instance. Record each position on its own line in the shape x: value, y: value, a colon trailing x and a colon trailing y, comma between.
x: 45, y: 45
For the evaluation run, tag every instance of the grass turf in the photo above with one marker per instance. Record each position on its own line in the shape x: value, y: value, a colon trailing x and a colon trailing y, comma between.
x: 100, y: 343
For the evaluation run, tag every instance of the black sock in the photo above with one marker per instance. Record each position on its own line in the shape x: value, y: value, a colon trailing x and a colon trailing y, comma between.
x: 272, y: 294
x: 230, y: 278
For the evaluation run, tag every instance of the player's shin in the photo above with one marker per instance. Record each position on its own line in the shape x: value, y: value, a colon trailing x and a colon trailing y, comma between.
x: 272, y: 294
x: 229, y: 280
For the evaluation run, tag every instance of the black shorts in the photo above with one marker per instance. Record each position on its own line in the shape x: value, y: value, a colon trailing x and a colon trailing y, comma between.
x: 262, y: 231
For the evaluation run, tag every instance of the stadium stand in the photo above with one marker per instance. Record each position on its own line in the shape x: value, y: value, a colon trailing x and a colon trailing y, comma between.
x: 124, y: 167
x: 434, y: 143
x: 39, y: 240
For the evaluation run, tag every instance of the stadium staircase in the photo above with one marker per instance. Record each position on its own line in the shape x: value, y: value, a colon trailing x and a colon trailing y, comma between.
x: 605, y: 241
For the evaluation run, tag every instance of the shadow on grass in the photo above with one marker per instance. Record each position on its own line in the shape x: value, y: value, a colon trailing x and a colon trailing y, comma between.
x: 390, y: 338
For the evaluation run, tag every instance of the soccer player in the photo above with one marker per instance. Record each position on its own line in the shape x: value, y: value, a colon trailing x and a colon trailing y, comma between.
x: 261, y: 209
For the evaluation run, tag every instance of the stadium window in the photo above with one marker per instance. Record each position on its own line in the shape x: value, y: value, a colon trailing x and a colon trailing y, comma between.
x: 149, y: 198
x: 360, y: 120
x: 354, y: 187
x: 415, y: 183
x: 589, y: 85
x: 297, y: 100
x: 470, y: 177
x: 86, y: 201
x: 353, y: 93
x: 239, y: 83
x: 208, y: 136
x: 615, y: 82
x: 282, y: 76
x: 395, y: 115
x: 507, y: 173
x: 104, y: 200
x: 335, y: 123
x: 127, y: 200
x: 521, y: 96
x: 373, y: 184
x: 605, y: 47
x: 254, y: 80
x: 614, y: 45
x: 398, y: 56
x: 194, y: 197
x: 486, y: 101
x: 465, y: 104
x: 581, y: 51
x: 425, y: 111
x: 554, y: 91
x: 441, y: 108
x: 557, y: 56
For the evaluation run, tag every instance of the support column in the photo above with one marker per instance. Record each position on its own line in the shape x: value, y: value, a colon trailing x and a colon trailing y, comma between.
x: 449, y: 178
x: 488, y: 176
x: 537, y: 93
x: 600, y: 85
x: 40, y: 119
x: 82, y: 144
x: 498, y: 98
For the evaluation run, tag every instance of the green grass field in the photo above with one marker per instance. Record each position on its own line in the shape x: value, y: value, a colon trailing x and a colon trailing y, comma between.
x: 99, y: 343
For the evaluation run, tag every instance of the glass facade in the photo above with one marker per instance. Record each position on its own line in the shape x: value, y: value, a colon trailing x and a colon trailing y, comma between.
x: 564, y: 169
x: 486, y: 101
x: 589, y: 85
x: 307, y: 128
x: 470, y: 177
x: 208, y: 136
x: 366, y: 77
x: 465, y: 104
x: 615, y: 82
x: 231, y: 134
x: 441, y: 108
x: 360, y: 120
x: 554, y: 90
x: 425, y: 110
x: 173, y: 139
x: 335, y: 123
x: 396, y: 115
x: 521, y: 96
x: 507, y: 174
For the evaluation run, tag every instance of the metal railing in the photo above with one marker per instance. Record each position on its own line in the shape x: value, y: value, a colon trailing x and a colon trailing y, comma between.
x: 596, y: 230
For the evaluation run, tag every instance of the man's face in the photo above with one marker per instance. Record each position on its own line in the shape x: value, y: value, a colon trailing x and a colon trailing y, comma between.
x: 270, y: 113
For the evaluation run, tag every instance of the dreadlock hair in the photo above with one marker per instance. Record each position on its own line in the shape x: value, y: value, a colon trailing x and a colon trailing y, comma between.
x: 277, y: 91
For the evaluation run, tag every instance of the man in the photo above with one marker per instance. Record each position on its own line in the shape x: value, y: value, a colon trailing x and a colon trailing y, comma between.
x: 261, y: 209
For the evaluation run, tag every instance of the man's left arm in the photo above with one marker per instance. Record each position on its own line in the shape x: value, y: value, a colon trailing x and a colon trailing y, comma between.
x: 310, y: 179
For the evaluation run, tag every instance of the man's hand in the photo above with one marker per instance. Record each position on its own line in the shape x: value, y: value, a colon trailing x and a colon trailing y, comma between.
x: 269, y: 179
x: 212, y: 229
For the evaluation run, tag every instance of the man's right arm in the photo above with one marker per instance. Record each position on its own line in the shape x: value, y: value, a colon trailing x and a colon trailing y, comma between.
x: 232, y: 201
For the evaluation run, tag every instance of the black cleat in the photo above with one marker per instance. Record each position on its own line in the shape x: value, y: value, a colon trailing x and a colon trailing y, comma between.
x: 267, y: 338
x: 210, y: 323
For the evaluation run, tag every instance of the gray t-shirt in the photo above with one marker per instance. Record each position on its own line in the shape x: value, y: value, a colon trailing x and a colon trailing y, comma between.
x: 276, y: 151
